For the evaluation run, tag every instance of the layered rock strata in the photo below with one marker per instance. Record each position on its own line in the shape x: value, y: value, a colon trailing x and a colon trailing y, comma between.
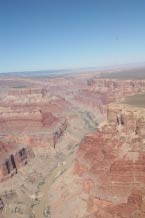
x: 111, y: 163
x: 100, y: 92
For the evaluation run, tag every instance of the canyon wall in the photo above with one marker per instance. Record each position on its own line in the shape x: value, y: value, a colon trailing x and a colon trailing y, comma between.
x: 111, y: 164
x: 98, y: 93
x: 30, y: 117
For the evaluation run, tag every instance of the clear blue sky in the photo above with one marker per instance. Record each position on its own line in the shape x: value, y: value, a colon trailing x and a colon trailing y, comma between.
x: 52, y: 34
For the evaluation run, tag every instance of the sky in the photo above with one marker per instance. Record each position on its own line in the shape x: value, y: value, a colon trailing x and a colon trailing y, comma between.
x: 61, y: 34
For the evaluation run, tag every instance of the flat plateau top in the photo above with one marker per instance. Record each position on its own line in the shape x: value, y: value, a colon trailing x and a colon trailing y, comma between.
x: 136, y: 101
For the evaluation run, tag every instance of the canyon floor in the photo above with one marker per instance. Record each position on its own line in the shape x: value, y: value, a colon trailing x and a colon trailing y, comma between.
x: 72, y: 146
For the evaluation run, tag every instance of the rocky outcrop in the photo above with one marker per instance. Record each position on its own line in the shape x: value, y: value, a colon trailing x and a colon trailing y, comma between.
x: 17, y: 120
x: 131, y: 119
x: 19, y: 92
x: 1, y: 205
x: 46, y: 136
x: 100, y: 92
x: 111, y: 163
x: 59, y: 132
x: 31, y: 111
x: 125, y: 86
x: 13, y: 161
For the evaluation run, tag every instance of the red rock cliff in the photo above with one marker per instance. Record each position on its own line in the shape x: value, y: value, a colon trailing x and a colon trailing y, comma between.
x: 111, y: 163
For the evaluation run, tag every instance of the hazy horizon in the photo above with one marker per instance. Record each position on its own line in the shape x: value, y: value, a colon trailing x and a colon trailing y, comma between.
x: 80, y: 69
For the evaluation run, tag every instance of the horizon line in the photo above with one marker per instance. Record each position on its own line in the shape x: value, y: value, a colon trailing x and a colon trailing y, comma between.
x: 77, y: 68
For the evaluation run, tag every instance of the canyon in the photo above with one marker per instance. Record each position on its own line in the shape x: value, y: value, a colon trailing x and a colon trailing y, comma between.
x: 111, y: 164
x: 72, y: 147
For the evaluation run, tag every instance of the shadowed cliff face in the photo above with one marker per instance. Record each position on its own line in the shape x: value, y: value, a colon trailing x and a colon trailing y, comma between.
x: 13, y: 159
x: 111, y: 163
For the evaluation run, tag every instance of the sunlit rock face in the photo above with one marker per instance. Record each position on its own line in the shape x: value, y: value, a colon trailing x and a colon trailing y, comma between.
x: 111, y: 163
